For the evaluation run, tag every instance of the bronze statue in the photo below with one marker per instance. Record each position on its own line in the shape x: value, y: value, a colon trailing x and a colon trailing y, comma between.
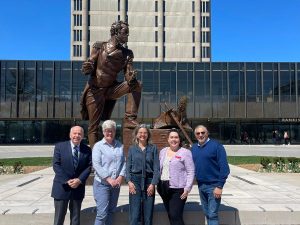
x: 175, y: 119
x: 102, y: 90
x: 166, y: 120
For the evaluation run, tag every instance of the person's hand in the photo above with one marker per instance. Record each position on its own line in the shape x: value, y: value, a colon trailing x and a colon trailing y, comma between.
x: 74, y: 183
x: 112, y: 182
x: 131, y: 79
x: 87, y: 67
x: 150, y: 190
x: 218, y: 192
x: 119, y: 181
x: 184, y: 195
x: 131, y: 188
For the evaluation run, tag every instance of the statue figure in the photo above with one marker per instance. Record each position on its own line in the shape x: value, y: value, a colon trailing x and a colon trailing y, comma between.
x: 102, y: 90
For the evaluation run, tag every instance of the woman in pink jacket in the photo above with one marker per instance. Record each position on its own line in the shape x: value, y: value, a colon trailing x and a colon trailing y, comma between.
x: 177, y: 175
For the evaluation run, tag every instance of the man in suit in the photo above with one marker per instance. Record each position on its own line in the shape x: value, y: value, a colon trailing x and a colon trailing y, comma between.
x: 72, y: 161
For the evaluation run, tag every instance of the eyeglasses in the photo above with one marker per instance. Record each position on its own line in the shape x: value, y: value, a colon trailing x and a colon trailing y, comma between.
x: 202, y: 132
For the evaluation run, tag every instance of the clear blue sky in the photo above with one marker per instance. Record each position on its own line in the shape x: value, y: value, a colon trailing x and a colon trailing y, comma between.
x: 242, y: 30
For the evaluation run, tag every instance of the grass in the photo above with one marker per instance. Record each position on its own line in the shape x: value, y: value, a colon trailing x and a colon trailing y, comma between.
x: 238, y: 160
x: 32, y: 161
x: 47, y: 161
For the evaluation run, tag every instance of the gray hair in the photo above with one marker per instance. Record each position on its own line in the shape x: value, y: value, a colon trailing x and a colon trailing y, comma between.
x: 135, y: 132
x: 109, y: 124
x: 201, y: 126
x: 82, y: 131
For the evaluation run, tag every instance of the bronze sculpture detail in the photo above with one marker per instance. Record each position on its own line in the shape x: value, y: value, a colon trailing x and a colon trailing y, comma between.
x: 102, y: 90
x: 175, y: 119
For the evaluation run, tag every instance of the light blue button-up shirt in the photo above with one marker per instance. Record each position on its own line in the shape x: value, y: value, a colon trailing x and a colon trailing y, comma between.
x: 108, y: 160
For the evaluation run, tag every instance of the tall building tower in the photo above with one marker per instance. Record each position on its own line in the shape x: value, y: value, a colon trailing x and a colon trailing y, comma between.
x: 160, y: 30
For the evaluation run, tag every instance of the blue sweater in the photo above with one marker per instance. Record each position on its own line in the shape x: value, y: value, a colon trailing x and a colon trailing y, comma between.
x: 211, y: 164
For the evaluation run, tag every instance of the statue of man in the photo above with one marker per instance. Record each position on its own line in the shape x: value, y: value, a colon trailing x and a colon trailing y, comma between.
x: 107, y: 59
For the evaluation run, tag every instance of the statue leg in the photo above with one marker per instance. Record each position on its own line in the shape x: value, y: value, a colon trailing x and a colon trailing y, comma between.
x: 95, y: 105
x: 132, y: 104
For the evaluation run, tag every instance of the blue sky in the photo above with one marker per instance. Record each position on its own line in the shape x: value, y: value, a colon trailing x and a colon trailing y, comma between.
x: 242, y: 30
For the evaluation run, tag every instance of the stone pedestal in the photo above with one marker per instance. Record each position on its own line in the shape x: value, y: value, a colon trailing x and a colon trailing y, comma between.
x: 158, y: 136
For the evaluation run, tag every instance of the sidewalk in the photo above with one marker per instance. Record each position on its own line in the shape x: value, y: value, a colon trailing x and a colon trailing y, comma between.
x: 249, y: 198
x: 19, y: 151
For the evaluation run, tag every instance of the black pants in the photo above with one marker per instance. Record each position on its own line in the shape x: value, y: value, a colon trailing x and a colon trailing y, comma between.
x: 173, y: 203
x: 61, y: 207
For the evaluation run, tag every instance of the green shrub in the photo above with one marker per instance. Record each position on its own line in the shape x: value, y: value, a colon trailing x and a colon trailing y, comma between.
x: 265, y: 162
x: 18, y: 167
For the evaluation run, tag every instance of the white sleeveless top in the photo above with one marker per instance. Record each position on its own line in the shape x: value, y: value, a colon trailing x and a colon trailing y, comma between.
x: 165, y: 174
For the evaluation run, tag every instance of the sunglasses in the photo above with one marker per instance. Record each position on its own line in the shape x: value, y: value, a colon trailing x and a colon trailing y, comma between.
x: 202, y: 132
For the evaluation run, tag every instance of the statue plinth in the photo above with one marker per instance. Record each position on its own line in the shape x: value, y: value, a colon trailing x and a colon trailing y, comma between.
x: 159, y: 138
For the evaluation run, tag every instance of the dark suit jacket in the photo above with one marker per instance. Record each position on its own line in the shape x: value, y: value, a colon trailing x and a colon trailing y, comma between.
x: 64, y: 170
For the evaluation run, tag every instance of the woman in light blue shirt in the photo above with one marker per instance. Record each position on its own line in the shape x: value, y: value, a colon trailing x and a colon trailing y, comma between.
x: 109, y: 165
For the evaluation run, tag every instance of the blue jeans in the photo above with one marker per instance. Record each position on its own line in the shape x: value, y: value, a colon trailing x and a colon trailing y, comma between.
x: 106, y: 198
x: 210, y: 204
x: 136, y: 201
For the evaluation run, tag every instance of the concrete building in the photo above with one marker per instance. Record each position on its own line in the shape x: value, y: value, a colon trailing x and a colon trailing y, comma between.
x: 160, y: 30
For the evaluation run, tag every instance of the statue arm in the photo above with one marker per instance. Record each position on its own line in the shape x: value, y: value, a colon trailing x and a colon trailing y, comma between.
x: 129, y: 72
x: 89, y: 65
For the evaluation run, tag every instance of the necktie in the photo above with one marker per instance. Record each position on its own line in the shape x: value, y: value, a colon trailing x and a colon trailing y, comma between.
x: 75, y: 156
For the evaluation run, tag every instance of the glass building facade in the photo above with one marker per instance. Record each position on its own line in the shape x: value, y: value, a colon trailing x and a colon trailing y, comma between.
x: 40, y: 100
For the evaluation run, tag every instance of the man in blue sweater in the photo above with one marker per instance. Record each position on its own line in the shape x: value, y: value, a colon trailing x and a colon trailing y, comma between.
x: 212, y: 170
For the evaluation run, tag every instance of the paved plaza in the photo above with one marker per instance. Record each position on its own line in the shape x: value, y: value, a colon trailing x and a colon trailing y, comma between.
x: 249, y: 198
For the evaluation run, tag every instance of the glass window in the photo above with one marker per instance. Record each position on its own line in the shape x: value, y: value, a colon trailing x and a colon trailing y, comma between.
x: 184, y: 81
x: 236, y: 82
x: 44, y: 81
x: 193, y: 36
x: 193, y: 21
x: 202, y: 82
x: 270, y: 82
x: 27, y: 82
x: 150, y: 82
x: 168, y: 82
x: 62, y: 81
x: 79, y: 81
x: 219, y: 82
x: 193, y: 6
x: 253, y: 82
x: 10, y: 81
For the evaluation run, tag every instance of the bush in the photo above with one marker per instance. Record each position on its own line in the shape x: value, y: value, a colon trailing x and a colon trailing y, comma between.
x: 265, y: 162
x: 18, y: 167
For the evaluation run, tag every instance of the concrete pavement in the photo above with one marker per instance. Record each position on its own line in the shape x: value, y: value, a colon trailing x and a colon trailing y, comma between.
x: 9, y: 151
x: 249, y: 198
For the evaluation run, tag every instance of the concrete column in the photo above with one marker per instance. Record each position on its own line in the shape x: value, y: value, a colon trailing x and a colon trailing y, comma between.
x: 197, y: 31
x: 160, y: 31
x: 85, y: 28
x: 123, y: 10
x: 72, y: 28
